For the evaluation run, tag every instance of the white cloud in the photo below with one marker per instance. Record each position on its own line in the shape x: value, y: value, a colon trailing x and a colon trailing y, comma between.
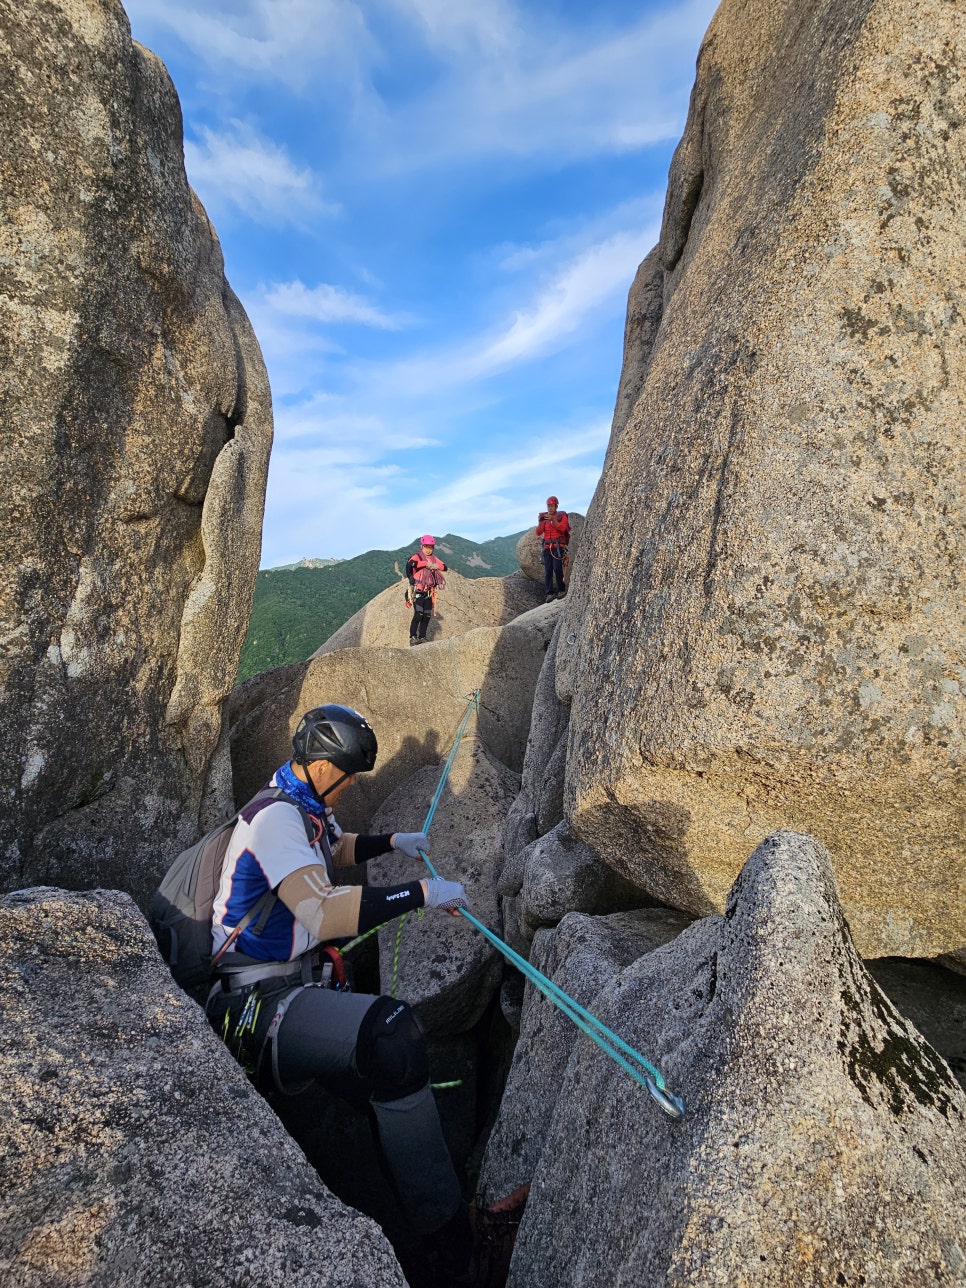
x: 318, y: 490
x: 597, y: 276
x: 283, y: 41
x: 498, y: 78
x: 325, y: 303
x: 556, y: 92
x: 238, y: 167
x: 295, y: 325
x: 566, y: 299
x: 458, y: 27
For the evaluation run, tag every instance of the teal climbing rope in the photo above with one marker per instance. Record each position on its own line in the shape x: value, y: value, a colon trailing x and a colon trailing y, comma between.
x: 646, y: 1074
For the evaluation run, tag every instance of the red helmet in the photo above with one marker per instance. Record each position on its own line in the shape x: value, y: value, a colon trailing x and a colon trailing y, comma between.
x: 427, y: 540
x: 552, y: 500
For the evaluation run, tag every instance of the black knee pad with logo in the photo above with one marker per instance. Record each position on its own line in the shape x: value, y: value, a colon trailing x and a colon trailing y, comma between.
x: 391, y: 1050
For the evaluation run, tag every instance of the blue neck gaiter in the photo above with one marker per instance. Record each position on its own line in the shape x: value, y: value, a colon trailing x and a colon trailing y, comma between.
x: 286, y: 778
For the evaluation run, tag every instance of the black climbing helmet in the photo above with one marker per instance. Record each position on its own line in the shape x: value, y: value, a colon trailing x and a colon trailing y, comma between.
x: 337, y: 734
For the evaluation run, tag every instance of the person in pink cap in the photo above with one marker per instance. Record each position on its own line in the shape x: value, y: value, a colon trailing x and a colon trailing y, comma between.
x: 425, y: 574
x: 554, y: 527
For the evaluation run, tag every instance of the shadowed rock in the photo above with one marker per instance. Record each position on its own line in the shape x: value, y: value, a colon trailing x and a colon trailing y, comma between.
x: 582, y: 955
x: 539, y: 806
x: 137, y: 426
x: 554, y: 875
x: 771, y: 577
x: 133, y: 1150
x: 440, y: 964
x: 824, y: 1142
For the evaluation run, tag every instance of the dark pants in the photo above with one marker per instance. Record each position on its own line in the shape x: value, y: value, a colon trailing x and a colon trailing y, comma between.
x: 422, y: 612
x: 553, y: 567
x: 326, y: 1035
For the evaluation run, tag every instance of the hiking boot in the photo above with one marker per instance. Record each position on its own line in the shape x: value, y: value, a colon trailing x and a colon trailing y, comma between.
x: 495, y: 1229
x: 413, y: 640
x: 446, y: 1259
x: 550, y: 599
x: 562, y: 594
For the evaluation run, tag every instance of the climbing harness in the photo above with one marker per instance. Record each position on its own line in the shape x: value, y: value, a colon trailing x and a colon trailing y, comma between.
x: 644, y: 1073
x: 428, y: 578
x: 561, y: 552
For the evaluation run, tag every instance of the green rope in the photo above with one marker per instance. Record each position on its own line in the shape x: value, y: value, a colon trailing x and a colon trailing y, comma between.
x: 395, y: 955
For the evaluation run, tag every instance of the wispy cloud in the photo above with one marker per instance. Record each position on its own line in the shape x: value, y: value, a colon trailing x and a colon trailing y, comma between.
x: 329, y: 304
x: 386, y: 505
x: 560, y: 93
x: 499, y: 78
x: 565, y: 298
x: 599, y: 275
x: 237, y: 167
x: 282, y: 41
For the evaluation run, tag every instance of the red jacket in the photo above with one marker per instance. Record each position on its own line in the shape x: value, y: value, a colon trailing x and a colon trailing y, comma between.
x: 555, y: 530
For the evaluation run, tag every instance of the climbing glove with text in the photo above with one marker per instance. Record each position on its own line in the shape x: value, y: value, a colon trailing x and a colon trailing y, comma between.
x: 448, y: 895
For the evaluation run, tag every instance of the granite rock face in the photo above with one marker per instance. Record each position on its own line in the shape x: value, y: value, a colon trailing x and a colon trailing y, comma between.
x: 530, y: 548
x: 772, y: 572
x: 415, y: 699
x: 440, y: 964
x: 137, y: 428
x: 554, y: 875
x: 583, y: 954
x: 824, y: 1140
x: 133, y: 1150
x: 539, y: 806
x: 464, y: 604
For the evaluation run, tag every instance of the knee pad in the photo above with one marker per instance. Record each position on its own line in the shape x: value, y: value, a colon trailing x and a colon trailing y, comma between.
x: 391, y: 1050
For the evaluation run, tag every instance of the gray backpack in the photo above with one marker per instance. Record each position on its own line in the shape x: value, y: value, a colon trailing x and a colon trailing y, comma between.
x: 182, y: 906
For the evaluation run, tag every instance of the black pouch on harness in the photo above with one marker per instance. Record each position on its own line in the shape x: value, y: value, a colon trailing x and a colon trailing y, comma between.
x: 181, y: 909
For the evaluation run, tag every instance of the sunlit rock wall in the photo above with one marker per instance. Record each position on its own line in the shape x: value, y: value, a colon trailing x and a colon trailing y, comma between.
x: 768, y: 629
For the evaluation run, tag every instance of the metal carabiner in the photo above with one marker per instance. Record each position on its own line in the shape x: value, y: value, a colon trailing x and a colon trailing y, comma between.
x: 672, y: 1105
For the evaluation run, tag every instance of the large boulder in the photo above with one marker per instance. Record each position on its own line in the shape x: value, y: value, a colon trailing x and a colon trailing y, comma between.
x: 462, y: 605
x: 554, y: 875
x: 137, y: 427
x: 772, y: 574
x: 133, y: 1150
x: 415, y: 699
x: 530, y: 548
x: 583, y: 954
x: 824, y: 1141
x: 441, y: 965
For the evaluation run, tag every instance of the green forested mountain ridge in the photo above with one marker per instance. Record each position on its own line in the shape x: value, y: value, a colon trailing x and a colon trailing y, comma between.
x: 297, y: 609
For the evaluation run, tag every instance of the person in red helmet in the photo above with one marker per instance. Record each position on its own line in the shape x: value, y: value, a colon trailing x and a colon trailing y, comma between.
x: 425, y: 574
x: 554, y: 527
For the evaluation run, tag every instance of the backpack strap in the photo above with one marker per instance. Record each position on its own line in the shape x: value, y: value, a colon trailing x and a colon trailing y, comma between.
x: 262, y: 908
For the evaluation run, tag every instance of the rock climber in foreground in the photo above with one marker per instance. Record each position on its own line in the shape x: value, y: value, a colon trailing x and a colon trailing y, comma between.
x: 554, y: 527
x: 269, y: 1002
x: 425, y: 574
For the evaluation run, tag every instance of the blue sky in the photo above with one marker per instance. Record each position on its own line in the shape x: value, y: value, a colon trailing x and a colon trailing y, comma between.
x: 432, y: 211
